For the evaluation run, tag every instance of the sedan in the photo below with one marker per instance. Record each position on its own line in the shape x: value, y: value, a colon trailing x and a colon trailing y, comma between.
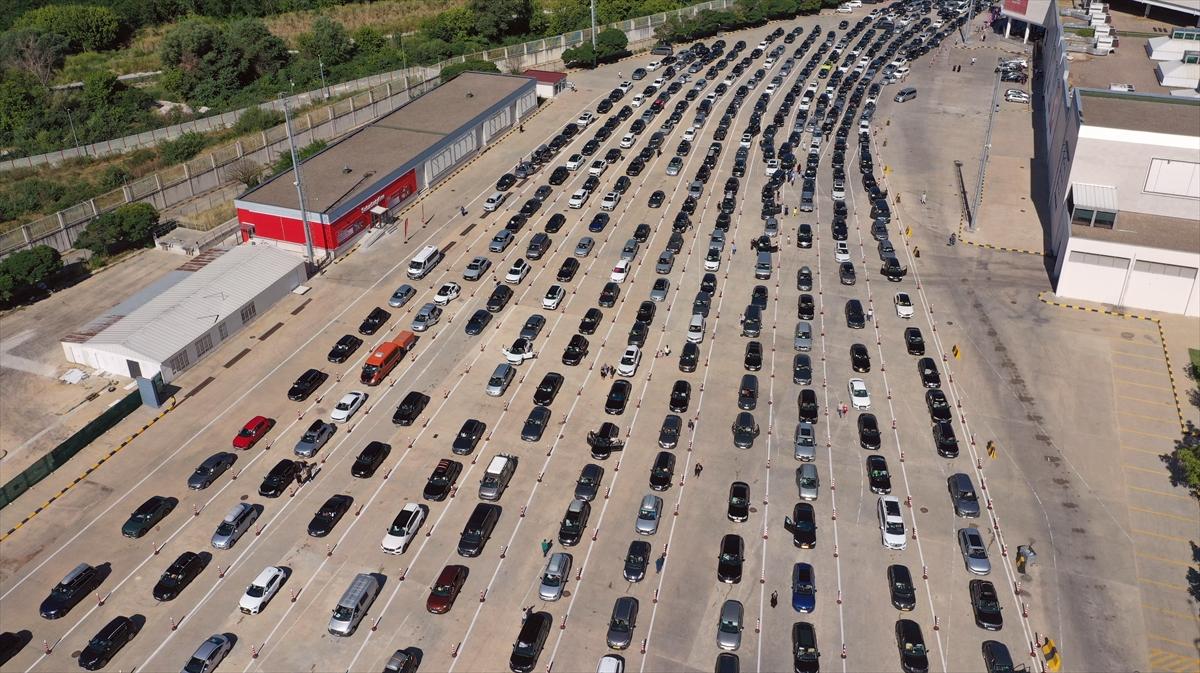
x: 860, y: 358
x: 584, y: 247
x: 447, y: 293
x: 930, y: 377
x: 681, y: 395
x: 985, y: 603
x: 846, y: 273
x: 806, y: 308
x: 178, y: 576
x: 441, y: 481
x: 868, y: 432
x: 649, y: 514
x: 107, y: 643
x: 668, y: 434
x: 403, y: 529
x: 567, y: 271
x: 477, y: 322
x: 859, y: 397
x: 636, y: 561
x: 410, y: 408
x: 147, y: 516
x: 468, y: 437
x: 911, y: 644
x: 974, y: 551
x: 753, y: 358
x: 914, y: 343
x: 345, y: 408
x: 738, y: 509
x: 576, y: 350
x: 306, y: 384
x: 590, y: 320
x: 587, y: 487
x: 548, y: 389
x: 212, y: 467
x: 657, y: 198
x: 374, y: 320
x: 618, y: 397
x: 729, y: 625
x: 904, y: 307
x: 477, y: 268
x: 344, y: 348
x: 520, y: 351
x: 532, y: 327
x: 744, y: 429
x: 662, y: 472
x: 803, y: 525
x: 253, y: 431
x: 804, y: 588
x: 878, y: 477
x: 730, y: 559
x: 535, y: 424
x: 279, y: 478
x: 446, y: 589
x: 900, y: 587
x: 499, y: 298
x: 658, y: 292
x: 426, y: 317
x: 328, y: 515
x: 620, y: 271
x: 802, y: 369
x: 262, y: 590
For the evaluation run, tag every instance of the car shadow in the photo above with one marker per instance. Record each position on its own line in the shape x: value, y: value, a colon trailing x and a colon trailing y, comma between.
x: 21, y: 639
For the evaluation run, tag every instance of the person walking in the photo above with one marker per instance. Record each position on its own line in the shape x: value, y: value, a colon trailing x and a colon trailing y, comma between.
x: 871, y: 314
x: 923, y: 198
x: 774, y: 598
x: 916, y: 252
x: 691, y: 424
x: 699, y: 469
x: 658, y: 563
x: 972, y: 60
x: 546, y: 544
x: 839, y: 409
x: 734, y: 249
x: 603, y: 372
x: 462, y: 210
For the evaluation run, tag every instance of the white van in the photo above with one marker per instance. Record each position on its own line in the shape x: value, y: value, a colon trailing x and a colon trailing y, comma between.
x: 695, y: 333
x: 496, y: 477
x: 424, y: 262
x: 353, y: 605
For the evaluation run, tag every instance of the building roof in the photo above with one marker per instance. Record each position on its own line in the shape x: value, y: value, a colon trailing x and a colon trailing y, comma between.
x: 1148, y: 231
x: 156, y: 328
x: 1139, y: 112
x: 355, y: 164
x: 546, y: 76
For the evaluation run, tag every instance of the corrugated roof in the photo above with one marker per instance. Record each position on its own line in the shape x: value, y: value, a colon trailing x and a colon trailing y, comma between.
x: 1098, y: 197
x: 546, y: 76
x: 162, y: 326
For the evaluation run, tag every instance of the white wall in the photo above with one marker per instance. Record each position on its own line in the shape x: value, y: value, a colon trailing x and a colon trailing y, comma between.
x: 1130, y: 287
x: 1121, y: 159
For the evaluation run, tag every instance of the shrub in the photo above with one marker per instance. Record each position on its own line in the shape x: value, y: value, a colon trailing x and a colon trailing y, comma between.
x: 25, y: 270
x: 452, y: 71
x: 129, y: 226
x: 182, y: 148
x: 86, y: 27
x: 257, y: 119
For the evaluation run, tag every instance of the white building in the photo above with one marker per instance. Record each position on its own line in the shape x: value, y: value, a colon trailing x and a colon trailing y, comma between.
x: 1179, y: 56
x: 1128, y: 233
x: 173, y: 323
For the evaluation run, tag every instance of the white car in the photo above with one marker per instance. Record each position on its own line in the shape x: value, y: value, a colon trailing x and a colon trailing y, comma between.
x: 891, y: 523
x: 841, y: 252
x: 659, y: 82
x: 629, y: 362
x: 628, y: 139
x: 854, y: 4
x: 620, y: 272
x: 585, y: 119
x: 494, y: 201
x: 610, y: 201
x: 554, y: 297
x: 579, y: 198
x: 447, y: 293
x: 844, y: 9
x: 520, y: 351
x: 345, y: 408
x: 517, y: 272
x: 598, y: 167
x: 689, y: 134
x: 625, y: 86
x: 712, y: 262
x: 904, y: 307
x: 404, y: 528
x: 1017, y: 97
x: 575, y: 162
x: 652, y: 66
x: 637, y: 100
x: 771, y: 167
x: 262, y: 590
x: 859, y: 397
x: 476, y: 268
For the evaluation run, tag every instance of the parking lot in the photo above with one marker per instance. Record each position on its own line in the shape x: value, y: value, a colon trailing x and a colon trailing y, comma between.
x: 679, y: 598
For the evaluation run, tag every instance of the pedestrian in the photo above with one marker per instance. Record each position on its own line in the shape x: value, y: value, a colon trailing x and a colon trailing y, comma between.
x: 916, y: 252
x: 667, y: 350
x: 658, y: 563
x: 545, y: 547
x: 735, y: 248
x: 972, y: 60
x: 699, y: 469
x: 620, y: 75
x: 953, y: 239
x: 691, y: 424
x: 774, y: 598
x: 871, y: 314
x: 521, y: 128
x: 845, y: 409
x: 300, y: 473
x: 839, y: 409
x: 603, y: 373
x: 923, y: 195
x: 462, y: 210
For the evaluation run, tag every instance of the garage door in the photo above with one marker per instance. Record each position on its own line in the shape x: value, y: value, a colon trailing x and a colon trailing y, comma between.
x: 1160, y: 287
x: 1093, y: 277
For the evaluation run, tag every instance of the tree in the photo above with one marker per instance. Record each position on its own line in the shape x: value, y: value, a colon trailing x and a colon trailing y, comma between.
x: 611, y: 42
x: 370, y: 40
x: 182, y: 148
x: 452, y: 71
x: 452, y: 25
x: 208, y: 65
x: 37, y: 53
x: 564, y: 16
x: 582, y: 56
x: 23, y: 102
x: 246, y: 172
x: 328, y: 41
x: 262, y: 52
x: 86, y: 27
x: 129, y: 226
x: 24, y: 270
x: 256, y: 119
x: 498, y: 19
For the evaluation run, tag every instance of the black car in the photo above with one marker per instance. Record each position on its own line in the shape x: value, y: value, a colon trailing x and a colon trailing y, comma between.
x: 939, y: 406
x: 344, y: 348
x: 590, y: 321
x: 944, y: 440
x: 636, y: 560
x: 567, y: 271
x: 574, y: 521
x: 535, y: 424
x: 807, y: 403
x: 547, y: 390
x: 304, y: 386
x: 985, y: 603
x: 753, y: 359
x: 911, y: 644
x: 681, y: 395
x: 638, y: 334
x: 913, y: 341
x: 530, y: 207
x: 530, y: 640
x: 73, y: 588
x: 804, y: 279
x: 996, y: 657
x: 468, y: 436
x: 374, y: 321
x: 618, y: 397
x: 410, y: 407
x: 329, y: 515
x: 900, y: 586
x: 179, y: 575
x: 803, y: 525
x: 477, y: 322
x: 556, y: 221
x: 806, y: 308
x: 499, y: 298
x: 642, y: 233
x: 801, y: 369
x: 868, y: 431
x: 878, y: 477
x: 106, y: 643
x: 855, y: 318
x: 608, y: 295
x: 930, y: 378
x: 441, y: 480
x: 370, y: 459
x: 559, y: 175
x: 506, y: 182
x: 279, y: 478
x: 689, y: 357
x: 738, y: 509
x: 730, y: 559
x: 860, y: 358
x: 576, y: 350
x: 148, y: 515
x: 708, y: 283
x: 806, y: 657
x: 662, y: 472
x: 645, y: 312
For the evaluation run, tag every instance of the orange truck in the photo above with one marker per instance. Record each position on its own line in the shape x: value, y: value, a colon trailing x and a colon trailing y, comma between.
x: 384, y: 358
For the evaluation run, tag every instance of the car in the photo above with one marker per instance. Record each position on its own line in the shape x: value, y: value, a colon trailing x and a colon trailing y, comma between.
x: 859, y: 397
x: 944, y: 440
x: 681, y: 394
x: 578, y: 198
x: 344, y: 348
x: 1017, y: 96
x: 535, y: 424
x: 369, y: 459
x: 447, y: 293
x: 630, y: 359
x: 846, y: 273
x: 328, y: 515
x: 574, y: 521
x: 306, y: 384
x: 428, y: 316
x: 730, y: 559
x: 855, y: 318
x: 501, y: 241
x: 860, y: 358
x: 974, y: 551
x: 584, y: 247
x: 752, y: 359
x: 410, y: 408
x: 891, y: 522
x: 555, y: 223
x: 568, y: 269
x: 506, y: 182
x: 212, y: 467
x: 622, y: 623
x: 914, y: 343
x: 805, y: 655
x: 597, y: 167
x: 801, y: 369
x: 440, y: 483
x: 533, y: 326
x: 962, y: 495
x: 554, y: 577
x: 468, y: 437
x: 712, y: 261
x: 879, y: 479
x: 235, y: 524
x: 930, y: 377
x: 657, y: 198
x: 662, y: 471
x: 900, y: 587
x: 252, y: 431
x: 802, y: 525
x: 478, y: 321
x: 345, y: 408
x: 620, y: 271
x: 262, y: 590
x: 738, y: 508
x: 841, y: 252
x: 178, y: 576
x: 403, y: 529
x: 210, y: 654
x: 446, y: 588
x: 804, y: 588
x: 576, y: 350
x: 809, y: 409
x: 499, y: 298
x: 587, y: 487
x: 666, y: 261
x: 491, y: 203
x: 610, y: 201
x: 748, y: 392
x: 72, y: 589
x: 985, y: 604
x: 591, y: 320
x: 402, y: 295
x: 806, y: 307
x: 517, y: 272
x: 645, y: 313
x: 805, y: 442
x: 520, y: 351
x: 804, y: 279
x: 107, y: 642
x: 548, y: 389
x: 637, y: 558
x: 283, y: 474
x: 530, y: 641
x: 675, y: 165
x: 618, y: 396
x: 808, y: 481
x: 868, y: 432
x: 147, y: 516
x: 374, y: 320
x: 554, y: 297
x: 911, y: 644
x: 729, y: 625
x: 649, y: 514
x: 904, y: 306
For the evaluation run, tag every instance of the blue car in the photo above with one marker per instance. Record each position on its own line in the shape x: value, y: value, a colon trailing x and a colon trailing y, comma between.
x: 804, y: 588
x: 598, y: 223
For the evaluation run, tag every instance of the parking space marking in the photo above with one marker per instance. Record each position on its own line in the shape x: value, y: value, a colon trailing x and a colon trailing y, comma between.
x: 1148, y: 434
x: 1145, y: 401
x: 1143, y: 385
x: 1189, y: 519
x: 1165, y: 585
x: 1136, y: 369
x: 1156, y: 419
x: 1171, y: 613
x: 1135, y: 468
x: 1164, y: 536
x: 1165, y: 494
x: 1154, y: 636
x: 1156, y: 358
x: 1175, y: 663
x: 1126, y: 447
x: 1160, y: 559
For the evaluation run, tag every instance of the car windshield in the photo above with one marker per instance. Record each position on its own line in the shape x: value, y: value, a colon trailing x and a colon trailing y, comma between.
x: 728, y: 626
x: 646, y: 514
x: 225, y: 528
x: 342, y: 613
x: 246, y: 432
x: 196, y: 665
x: 442, y: 589
x: 399, y: 527
x: 878, y: 474
x: 255, y: 591
x: 895, y: 528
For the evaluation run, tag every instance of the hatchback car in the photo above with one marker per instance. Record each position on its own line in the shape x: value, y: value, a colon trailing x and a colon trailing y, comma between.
x: 427, y: 316
x: 329, y: 514
x: 649, y: 513
x: 662, y: 471
x: 209, y: 655
x: 729, y: 625
x: 446, y: 588
x: 622, y: 623
x: 403, y: 529
x: 253, y: 431
x: 555, y: 576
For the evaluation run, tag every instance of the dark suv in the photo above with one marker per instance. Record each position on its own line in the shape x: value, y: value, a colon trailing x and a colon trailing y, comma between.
x: 278, y: 479
x: 304, y: 386
x: 73, y: 588
x: 374, y: 321
x: 410, y: 407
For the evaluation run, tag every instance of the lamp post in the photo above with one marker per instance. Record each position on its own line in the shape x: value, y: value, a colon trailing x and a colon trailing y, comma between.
x: 324, y: 88
x: 308, y: 243
x: 75, y: 135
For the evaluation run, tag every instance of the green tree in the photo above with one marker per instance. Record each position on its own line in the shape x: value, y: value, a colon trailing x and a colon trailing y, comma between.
x: 129, y: 226
x: 24, y: 270
x: 582, y: 56
x: 452, y: 71
x: 498, y: 19
x: 284, y: 162
x: 23, y: 102
x: 257, y: 119
x: 262, y: 52
x: 452, y: 25
x: 99, y: 90
x: 327, y: 41
x: 564, y: 16
x: 369, y: 39
x: 208, y: 65
x: 610, y: 43
x: 86, y: 27
x: 182, y: 148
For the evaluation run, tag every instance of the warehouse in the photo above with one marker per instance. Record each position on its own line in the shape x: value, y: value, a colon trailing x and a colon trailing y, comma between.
x: 364, y: 179
x: 175, y: 322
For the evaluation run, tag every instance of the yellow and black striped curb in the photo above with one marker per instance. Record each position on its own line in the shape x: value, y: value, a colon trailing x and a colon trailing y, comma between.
x: 86, y: 473
x: 989, y: 246
x: 1162, y: 339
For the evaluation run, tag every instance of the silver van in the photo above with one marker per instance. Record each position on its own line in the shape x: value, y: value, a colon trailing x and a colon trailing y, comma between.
x: 762, y: 267
x: 495, y: 479
x: 234, y: 525
x: 906, y: 94
x: 353, y: 605
x: 554, y: 579
x: 804, y: 332
x: 695, y: 333
x: 501, y: 377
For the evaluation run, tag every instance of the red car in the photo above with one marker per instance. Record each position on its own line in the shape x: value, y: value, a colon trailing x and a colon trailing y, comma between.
x: 446, y: 588
x: 254, y: 431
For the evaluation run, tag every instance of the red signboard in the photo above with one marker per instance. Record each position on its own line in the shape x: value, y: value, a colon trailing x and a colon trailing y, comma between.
x: 1016, y: 6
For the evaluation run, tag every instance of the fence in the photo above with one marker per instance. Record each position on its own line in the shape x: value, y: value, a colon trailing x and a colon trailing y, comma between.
x: 175, y: 184
x: 60, y: 454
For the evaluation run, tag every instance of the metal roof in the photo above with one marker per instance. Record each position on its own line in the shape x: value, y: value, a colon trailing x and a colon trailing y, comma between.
x: 165, y: 324
x: 1097, y: 197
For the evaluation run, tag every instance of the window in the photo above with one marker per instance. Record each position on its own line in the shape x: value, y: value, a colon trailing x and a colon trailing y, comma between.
x: 1105, y: 219
x: 1170, y: 270
x: 1099, y: 260
x: 179, y: 363
x: 203, y: 345
x: 1082, y: 216
x: 223, y: 331
x: 248, y: 312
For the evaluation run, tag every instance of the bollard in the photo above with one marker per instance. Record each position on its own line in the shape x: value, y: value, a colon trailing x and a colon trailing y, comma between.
x: 758, y: 625
x: 924, y: 572
x: 174, y: 624
x: 294, y: 595
x: 835, y: 551
x: 540, y: 475
x: 375, y: 626
x: 607, y: 491
x: 676, y: 509
x: 99, y: 600
x: 358, y: 511
x: 292, y: 492
x: 643, y: 645
x: 403, y: 573
x: 522, y: 511
x: 832, y: 484
x: 235, y: 474
x: 483, y: 595
x: 594, y: 534
x: 196, y: 510
x: 902, y: 456
x: 579, y: 574
x: 454, y: 652
x: 914, y: 535
x: 835, y: 513
x: 937, y: 623
x: 1024, y: 609
x: 839, y: 598
x: 843, y: 650
x: 655, y: 601
x: 157, y: 548
x: 220, y: 571
x: 908, y: 501
x: 503, y: 551
x: 328, y: 551
x: 253, y: 652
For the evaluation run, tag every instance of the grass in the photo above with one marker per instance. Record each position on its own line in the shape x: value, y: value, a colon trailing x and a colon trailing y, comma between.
x: 388, y: 16
x: 207, y: 220
x: 140, y: 56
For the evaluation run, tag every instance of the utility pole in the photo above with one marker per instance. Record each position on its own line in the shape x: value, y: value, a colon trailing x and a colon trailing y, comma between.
x: 593, y: 8
x: 324, y: 88
x: 308, y: 244
x: 75, y: 135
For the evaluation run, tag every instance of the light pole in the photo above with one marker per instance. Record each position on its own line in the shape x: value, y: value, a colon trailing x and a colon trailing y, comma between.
x: 324, y: 89
x: 593, y: 8
x: 308, y: 243
x: 75, y: 135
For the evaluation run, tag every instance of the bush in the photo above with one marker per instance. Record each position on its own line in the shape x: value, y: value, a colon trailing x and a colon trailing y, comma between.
x: 25, y: 270
x: 129, y: 226
x: 182, y: 148
x: 257, y: 119
x: 86, y: 27
x: 452, y: 71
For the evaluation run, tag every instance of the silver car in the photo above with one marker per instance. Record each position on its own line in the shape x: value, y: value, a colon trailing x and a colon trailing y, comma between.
x: 630, y: 251
x: 665, y: 262
x: 974, y: 552
x: 807, y: 481
x: 401, y: 296
x: 209, y: 655
x: 729, y: 628
x: 477, y: 268
x: 660, y: 289
x: 622, y: 622
x: 804, y: 333
x: 584, y: 247
x: 806, y: 442
x: 648, y: 515
x: 426, y: 317
x: 554, y: 579
x: 234, y: 525
x: 501, y: 241
x: 962, y: 494
x: 314, y: 438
